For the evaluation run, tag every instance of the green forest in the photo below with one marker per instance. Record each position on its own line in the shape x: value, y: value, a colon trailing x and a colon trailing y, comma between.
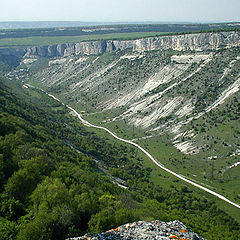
x: 52, y: 185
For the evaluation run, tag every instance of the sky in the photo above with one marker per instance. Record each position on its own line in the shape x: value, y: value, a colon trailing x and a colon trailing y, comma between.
x: 121, y: 10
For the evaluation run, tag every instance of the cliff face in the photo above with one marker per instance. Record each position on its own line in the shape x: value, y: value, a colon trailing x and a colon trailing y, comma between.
x: 195, y: 42
x: 88, y: 48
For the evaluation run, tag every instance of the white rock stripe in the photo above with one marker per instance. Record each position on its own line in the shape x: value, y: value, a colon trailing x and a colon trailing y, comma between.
x: 88, y: 124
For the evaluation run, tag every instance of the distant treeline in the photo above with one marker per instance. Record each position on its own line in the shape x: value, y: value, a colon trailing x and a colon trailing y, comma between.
x: 44, y: 40
x: 134, y: 37
x: 106, y: 29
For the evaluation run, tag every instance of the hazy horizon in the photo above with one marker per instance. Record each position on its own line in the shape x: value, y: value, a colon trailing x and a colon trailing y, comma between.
x: 162, y: 22
x: 72, y: 24
x: 107, y: 11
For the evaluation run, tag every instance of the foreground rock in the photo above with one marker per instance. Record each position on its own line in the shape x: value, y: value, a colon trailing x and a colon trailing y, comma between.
x: 146, y: 230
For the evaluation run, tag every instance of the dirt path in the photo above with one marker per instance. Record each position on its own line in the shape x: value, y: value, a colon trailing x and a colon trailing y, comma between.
x: 88, y: 124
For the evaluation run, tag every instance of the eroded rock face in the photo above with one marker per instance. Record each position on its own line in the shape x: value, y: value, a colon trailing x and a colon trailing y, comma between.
x: 194, y: 42
x: 146, y: 230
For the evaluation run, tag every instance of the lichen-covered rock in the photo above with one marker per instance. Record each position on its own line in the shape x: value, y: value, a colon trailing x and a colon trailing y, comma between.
x: 146, y: 230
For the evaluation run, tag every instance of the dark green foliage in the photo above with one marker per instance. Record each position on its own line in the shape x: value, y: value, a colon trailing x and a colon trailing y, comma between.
x: 7, y: 229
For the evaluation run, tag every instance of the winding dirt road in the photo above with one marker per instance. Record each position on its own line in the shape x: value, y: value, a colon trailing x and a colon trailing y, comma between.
x: 88, y: 124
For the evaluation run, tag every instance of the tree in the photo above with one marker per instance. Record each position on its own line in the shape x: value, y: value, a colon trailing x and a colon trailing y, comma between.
x: 24, y: 181
x: 51, y: 210
x: 7, y: 229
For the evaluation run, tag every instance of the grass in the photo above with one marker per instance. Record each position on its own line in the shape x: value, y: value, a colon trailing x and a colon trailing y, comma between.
x: 166, y: 180
x: 196, y: 167
x: 162, y: 150
x: 41, y: 41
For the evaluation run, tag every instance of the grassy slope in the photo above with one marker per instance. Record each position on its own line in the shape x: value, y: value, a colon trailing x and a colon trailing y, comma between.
x: 160, y: 177
x: 195, y: 167
x: 162, y: 149
x: 166, y: 154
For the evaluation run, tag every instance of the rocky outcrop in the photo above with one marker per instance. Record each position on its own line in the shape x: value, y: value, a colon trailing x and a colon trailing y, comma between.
x: 87, y: 48
x: 194, y: 42
x: 146, y: 230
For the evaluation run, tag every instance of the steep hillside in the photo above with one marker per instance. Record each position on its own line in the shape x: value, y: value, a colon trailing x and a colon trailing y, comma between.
x: 177, y: 96
x: 183, y: 105
x: 55, y: 180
